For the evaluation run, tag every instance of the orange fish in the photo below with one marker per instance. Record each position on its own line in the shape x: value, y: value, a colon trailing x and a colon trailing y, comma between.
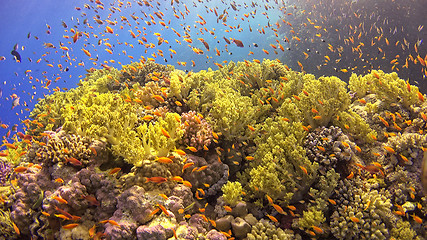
x: 60, y: 199
x: 112, y: 222
x: 272, y: 218
x: 389, y: 149
x: 278, y: 209
x: 165, y: 133
x: 317, y: 229
x: 164, y: 210
x: 91, y: 199
x: 20, y: 169
x: 187, y: 183
x: 193, y: 149
x: 156, y: 179
x: 159, y: 98
x: 86, y: 52
x: 114, y: 170
x: 73, y: 161
x: 164, y: 160
x: 350, y: 176
x: 109, y: 29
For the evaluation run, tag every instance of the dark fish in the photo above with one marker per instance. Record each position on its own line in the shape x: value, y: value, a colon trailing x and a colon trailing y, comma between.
x: 29, y: 35
x: 16, y: 54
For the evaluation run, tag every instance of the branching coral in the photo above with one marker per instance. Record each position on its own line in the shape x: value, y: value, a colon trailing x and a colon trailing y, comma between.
x: 361, y: 212
x: 280, y: 157
x: 232, y: 192
x: 388, y: 87
x: 265, y: 230
x: 321, y: 99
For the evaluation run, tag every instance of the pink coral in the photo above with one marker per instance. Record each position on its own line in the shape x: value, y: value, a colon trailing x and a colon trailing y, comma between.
x: 198, y: 132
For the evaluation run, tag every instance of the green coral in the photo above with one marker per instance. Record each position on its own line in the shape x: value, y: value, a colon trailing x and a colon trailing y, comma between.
x: 327, y: 95
x: 108, y: 116
x: 403, y: 231
x: 51, y: 109
x: 282, y: 161
x: 6, y: 227
x: 362, y: 212
x: 311, y: 217
x: 387, y: 86
x: 232, y: 192
x: 322, y: 190
x: 353, y: 124
x: 264, y: 230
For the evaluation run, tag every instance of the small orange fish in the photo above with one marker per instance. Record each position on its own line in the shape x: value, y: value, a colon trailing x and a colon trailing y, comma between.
x: 251, y: 128
x: 350, y: 176
x: 355, y: 219
x: 92, y: 200
x: 16, y: 228
x: 73, y: 161
x: 109, y: 29
x: 180, y: 152
x: 70, y: 226
x: 159, y: 98
x: 114, y: 170
x: 177, y: 178
x: 193, y: 149
x: 187, y: 183
x: 270, y: 200
x: 321, y: 148
x: 293, y: 208
x: 420, y: 96
x: 278, y: 209
x: 59, y: 180
x: 112, y: 222
x: 92, y: 231
x: 60, y: 200
x: 272, y: 218
x: 156, y: 179
x: 317, y: 229
x: 164, y: 160
x: 165, y: 211
x: 165, y: 133
x: 389, y: 149
x: 63, y: 216
x: 228, y: 208
x: 20, y: 169
x: 304, y: 170
x: 46, y: 214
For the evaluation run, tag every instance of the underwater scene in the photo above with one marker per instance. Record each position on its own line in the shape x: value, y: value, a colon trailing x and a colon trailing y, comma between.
x: 213, y: 120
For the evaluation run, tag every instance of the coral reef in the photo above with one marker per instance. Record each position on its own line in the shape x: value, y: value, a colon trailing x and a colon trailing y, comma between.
x: 253, y: 150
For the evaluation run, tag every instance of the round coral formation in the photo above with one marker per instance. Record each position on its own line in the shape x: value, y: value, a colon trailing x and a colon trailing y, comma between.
x: 197, y: 131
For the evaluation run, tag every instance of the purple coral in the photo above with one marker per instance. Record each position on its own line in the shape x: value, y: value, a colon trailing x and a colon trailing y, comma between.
x: 5, y: 171
x: 197, y: 131
x: 215, y: 175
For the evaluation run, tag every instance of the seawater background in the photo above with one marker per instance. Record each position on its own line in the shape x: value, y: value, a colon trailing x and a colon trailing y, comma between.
x: 20, y: 17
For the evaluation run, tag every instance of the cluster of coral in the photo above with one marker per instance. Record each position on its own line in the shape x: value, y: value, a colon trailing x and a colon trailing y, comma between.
x: 253, y: 150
